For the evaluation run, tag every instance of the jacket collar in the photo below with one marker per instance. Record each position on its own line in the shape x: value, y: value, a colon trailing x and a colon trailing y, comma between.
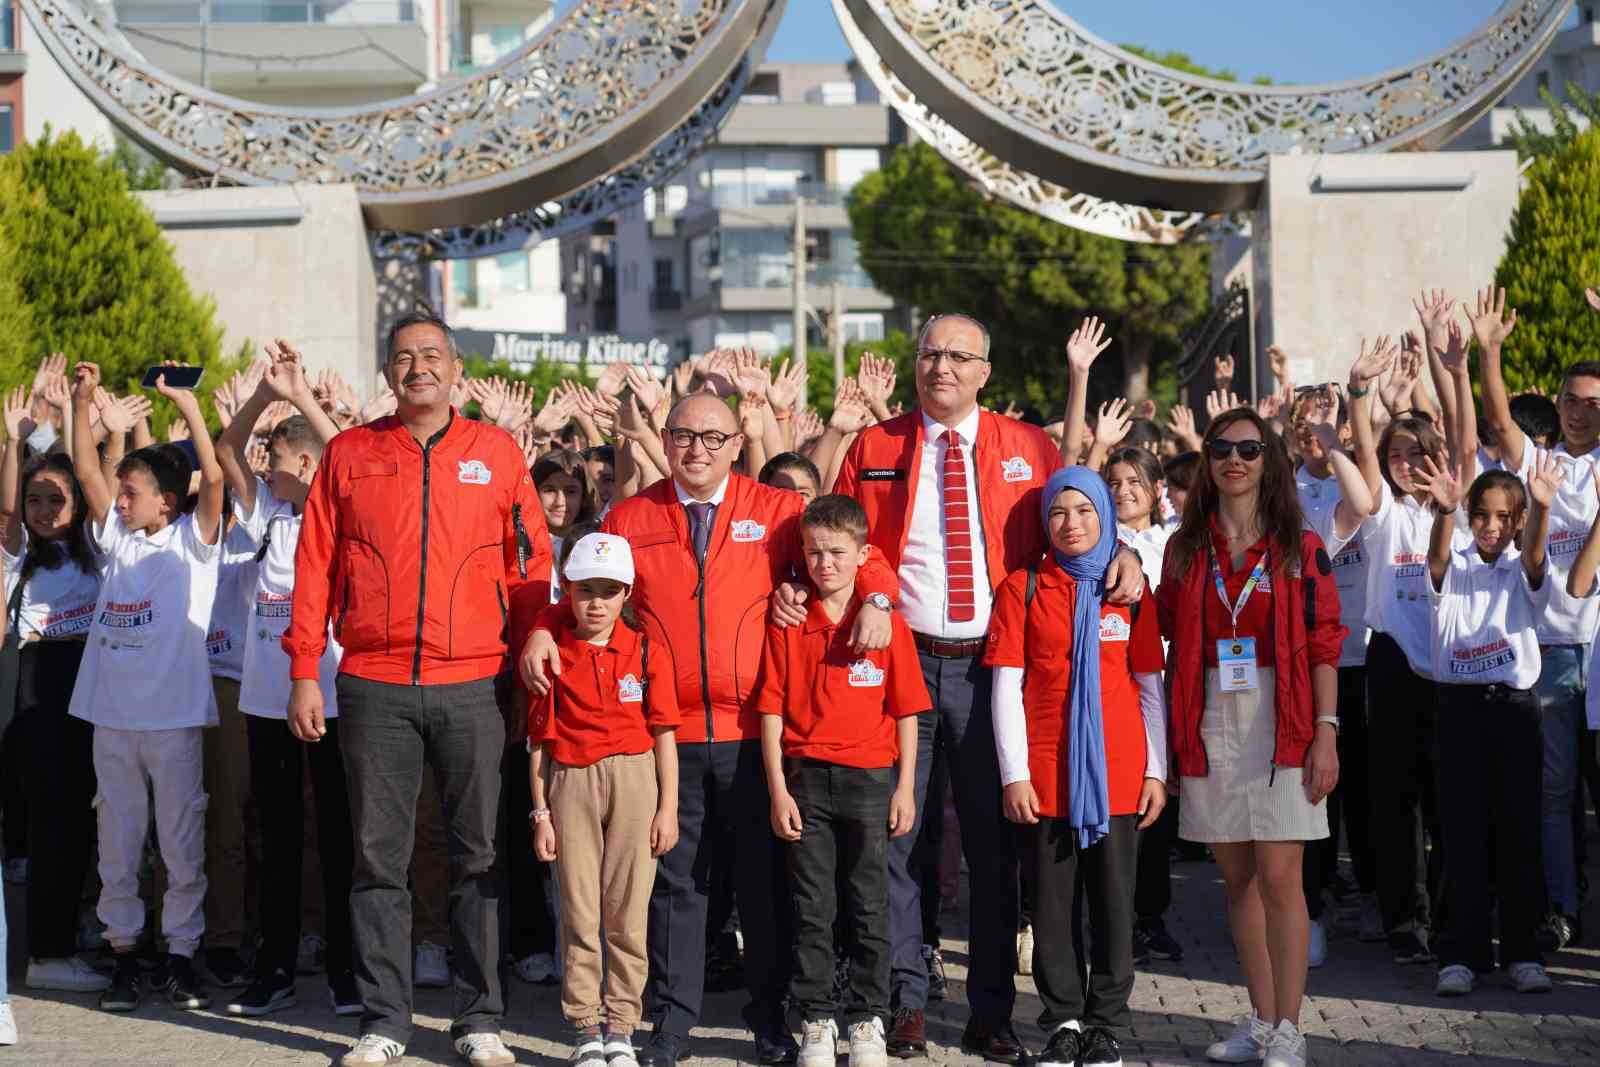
x: 966, y: 429
x: 624, y: 640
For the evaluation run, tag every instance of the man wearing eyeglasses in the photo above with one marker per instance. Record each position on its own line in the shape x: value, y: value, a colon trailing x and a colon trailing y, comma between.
x: 952, y: 498
x: 709, y: 548
x: 418, y: 526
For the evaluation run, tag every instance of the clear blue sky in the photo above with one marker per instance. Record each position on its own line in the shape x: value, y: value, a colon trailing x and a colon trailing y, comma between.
x: 1286, y: 40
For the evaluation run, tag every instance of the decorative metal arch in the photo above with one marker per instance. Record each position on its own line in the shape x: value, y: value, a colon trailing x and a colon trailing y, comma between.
x: 593, y: 94
x: 1030, y: 86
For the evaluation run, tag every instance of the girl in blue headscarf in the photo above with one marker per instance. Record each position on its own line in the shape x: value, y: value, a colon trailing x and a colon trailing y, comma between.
x: 1080, y: 726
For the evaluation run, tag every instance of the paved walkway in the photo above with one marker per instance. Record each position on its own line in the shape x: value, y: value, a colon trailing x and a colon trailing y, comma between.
x: 1362, y: 1012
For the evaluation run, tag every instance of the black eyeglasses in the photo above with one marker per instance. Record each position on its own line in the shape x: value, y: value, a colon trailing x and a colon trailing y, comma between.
x: 712, y: 440
x: 1249, y: 451
x: 955, y: 357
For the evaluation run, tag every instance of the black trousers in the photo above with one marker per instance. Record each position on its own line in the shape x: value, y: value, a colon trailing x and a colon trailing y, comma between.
x: 386, y: 733
x: 55, y: 763
x: 842, y: 853
x: 1404, y: 808
x: 1349, y: 807
x: 530, y: 928
x: 1105, y: 872
x: 277, y: 773
x: 928, y: 850
x: 1152, y: 890
x: 723, y: 810
x: 1491, y: 758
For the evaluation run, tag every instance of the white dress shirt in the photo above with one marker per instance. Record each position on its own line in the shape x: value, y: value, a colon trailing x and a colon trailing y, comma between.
x: 924, y: 586
x: 716, y: 498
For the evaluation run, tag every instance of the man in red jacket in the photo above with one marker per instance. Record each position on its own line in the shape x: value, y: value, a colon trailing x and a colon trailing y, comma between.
x: 952, y: 498
x: 709, y: 547
x: 422, y: 541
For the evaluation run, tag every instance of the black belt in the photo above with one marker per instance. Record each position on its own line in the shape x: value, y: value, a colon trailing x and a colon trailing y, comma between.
x: 940, y: 648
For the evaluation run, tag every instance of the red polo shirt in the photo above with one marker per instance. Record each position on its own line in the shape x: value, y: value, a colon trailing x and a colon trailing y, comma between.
x: 1038, y: 638
x: 839, y: 706
x: 606, y: 699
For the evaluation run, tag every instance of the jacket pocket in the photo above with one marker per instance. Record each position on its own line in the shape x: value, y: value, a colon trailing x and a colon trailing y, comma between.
x: 476, y: 600
x: 363, y: 623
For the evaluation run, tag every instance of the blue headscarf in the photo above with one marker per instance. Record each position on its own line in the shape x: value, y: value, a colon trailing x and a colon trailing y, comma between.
x: 1088, y: 799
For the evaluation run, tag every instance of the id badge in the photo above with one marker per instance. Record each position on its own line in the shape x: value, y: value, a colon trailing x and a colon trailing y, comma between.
x: 1236, y: 664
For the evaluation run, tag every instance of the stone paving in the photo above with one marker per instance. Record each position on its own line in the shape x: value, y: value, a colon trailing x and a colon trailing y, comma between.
x: 1362, y: 1011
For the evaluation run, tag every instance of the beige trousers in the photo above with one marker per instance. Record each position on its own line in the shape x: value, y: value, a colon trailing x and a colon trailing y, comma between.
x: 602, y: 816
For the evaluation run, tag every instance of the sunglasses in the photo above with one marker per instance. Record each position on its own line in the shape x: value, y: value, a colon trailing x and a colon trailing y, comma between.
x: 1249, y: 451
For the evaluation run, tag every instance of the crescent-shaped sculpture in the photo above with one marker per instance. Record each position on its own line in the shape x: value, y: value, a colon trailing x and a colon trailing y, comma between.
x: 1045, y: 97
x: 595, y: 92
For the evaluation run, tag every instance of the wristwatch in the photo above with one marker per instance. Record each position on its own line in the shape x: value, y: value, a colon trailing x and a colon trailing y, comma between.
x: 881, y: 602
x: 1331, y: 720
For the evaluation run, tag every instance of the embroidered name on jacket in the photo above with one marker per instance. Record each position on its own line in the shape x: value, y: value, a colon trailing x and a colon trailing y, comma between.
x: 1016, y: 469
x: 629, y: 689
x: 472, y: 472
x: 865, y: 675
x: 747, y: 530
x: 883, y: 474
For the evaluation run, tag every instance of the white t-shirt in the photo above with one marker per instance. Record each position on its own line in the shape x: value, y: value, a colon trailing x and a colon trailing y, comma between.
x: 264, y: 689
x: 236, y: 580
x: 145, y: 667
x: 1483, y: 622
x: 1151, y: 544
x: 1568, y: 620
x: 1319, y: 499
x: 1398, y: 585
x: 57, y: 602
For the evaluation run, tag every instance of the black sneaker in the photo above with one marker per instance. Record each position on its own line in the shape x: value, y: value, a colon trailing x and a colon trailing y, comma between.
x: 266, y: 994
x: 1409, y: 948
x: 1099, y: 1049
x: 1555, y: 933
x: 342, y: 991
x: 227, y: 968
x: 127, y: 985
x: 938, y: 983
x: 1141, y: 947
x: 183, y: 986
x: 1062, y: 1050
x: 1161, y: 945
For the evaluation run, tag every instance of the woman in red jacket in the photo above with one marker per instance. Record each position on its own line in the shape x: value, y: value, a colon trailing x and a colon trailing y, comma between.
x: 1248, y: 601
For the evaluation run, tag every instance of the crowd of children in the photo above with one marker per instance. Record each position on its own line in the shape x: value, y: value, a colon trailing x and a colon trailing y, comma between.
x: 1367, y: 623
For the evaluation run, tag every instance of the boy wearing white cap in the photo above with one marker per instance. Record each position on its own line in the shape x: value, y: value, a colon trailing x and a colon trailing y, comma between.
x: 604, y: 769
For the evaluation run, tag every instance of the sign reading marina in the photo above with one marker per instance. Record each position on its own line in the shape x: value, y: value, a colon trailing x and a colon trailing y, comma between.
x: 522, y: 351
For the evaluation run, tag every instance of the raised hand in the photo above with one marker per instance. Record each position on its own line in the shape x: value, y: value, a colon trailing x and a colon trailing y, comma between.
x: 53, y: 365
x: 808, y: 424
x: 1147, y: 409
x: 1433, y: 309
x: 751, y: 420
x: 1594, y: 298
x: 752, y: 375
x: 177, y: 431
x: 1115, y: 417
x: 851, y: 412
x: 1396, y: 392
x: 1180, y: 423
x: 1454, y: 353
x: 1223, y: 372
x: 490, y: 393
x: 1373, y: 361
x: 18, y: 425
x: 121, y: 415
x: 86, y: 379
x: 1270, y: 407
x: 612, y: 379
x: 383, y: 403
x: 55, y: 390
x: 683, y: 377
x: 257, y: 458
x: 560, y: 405
x: 789, y: 383
x: 1221, y: 400
x: 649, y: 391
x: 1012, y: 411
x: 717, y: 369
x: 1086, y: 343
x: 1278, y: 361
x: 1547, y: 478
x: 1491, y: 324
x: 1441, y: 485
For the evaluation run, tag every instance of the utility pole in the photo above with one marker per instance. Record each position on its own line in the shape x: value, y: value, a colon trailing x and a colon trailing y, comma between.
x: 799, y: 295
x: 836, y: 320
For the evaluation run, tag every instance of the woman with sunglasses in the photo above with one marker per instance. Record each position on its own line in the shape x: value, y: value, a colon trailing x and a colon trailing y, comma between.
x: 1248, y: 601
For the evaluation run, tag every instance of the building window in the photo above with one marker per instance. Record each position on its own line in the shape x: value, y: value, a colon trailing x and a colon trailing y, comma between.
x: 701, y: 254
x: 863, y: 326
x: 464, y: 282
x: 8, y: 131
x: 1542, y: 79
x: 514, y: 274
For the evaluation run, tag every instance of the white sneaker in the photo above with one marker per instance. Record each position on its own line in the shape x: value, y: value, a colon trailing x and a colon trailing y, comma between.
x: 1247, y: 1043
x: 1530, y: 977
x: 310, y: 957
x: 430, y: 966
x: 1318, y: 953
x: 1371, y: 928
x: 8, y: 1024
x: 619, y: 1052
x: 17, y: 871
x: 484, y: 1050
x: 867, y: 1048
x: 1025, y: 951
x: 69, y: 974
x: 1286, y: 1047
x: 1454, y: 981
x: 537, y: 969
x: 819, y: 1046
x: 373, y: 1050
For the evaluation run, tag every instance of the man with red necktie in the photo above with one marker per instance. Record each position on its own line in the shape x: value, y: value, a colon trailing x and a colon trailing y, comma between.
x: 951, y: 494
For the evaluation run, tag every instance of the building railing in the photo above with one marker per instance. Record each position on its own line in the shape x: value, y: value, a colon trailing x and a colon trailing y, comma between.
x: 351, y: 12
x: 751, y: 194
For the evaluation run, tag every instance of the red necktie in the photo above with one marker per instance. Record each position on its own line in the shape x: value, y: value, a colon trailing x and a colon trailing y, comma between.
x: 957, y: 533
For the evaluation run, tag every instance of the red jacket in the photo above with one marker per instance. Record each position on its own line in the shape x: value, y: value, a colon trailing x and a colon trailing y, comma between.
x: 1306, y: 632
x: 426, y: 561
x: 714, y: 627
x: 1013, y: 460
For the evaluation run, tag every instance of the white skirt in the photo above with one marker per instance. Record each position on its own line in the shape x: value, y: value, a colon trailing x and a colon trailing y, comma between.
x: 1244, y: 798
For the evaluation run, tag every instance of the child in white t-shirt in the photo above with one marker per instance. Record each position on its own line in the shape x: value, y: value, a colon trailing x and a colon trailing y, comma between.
x: 145, y: 684
x: 269, y: 516
x: 1486, y: 600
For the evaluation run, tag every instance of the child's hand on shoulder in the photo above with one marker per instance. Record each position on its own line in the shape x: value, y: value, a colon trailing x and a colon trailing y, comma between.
x: 664, y: 830
x: 785, y: 817
x: 544, y: 839
x: 902, y: 812
x: 1021, y: 803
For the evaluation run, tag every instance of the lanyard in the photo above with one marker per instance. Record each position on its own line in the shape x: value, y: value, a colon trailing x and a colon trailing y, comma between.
x: 1244, y: 594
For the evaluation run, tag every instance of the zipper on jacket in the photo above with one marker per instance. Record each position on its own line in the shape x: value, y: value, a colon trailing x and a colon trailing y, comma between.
x: 524, y: 545
x: 705, y: 672
x: 422, y: 570
x: 505, y: 621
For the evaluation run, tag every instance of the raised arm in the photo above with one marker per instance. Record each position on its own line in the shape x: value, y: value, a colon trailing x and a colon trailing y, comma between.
x: 85, y: 458
x: 1366, y: 369
x: 1085, y: 345
x: 208, y: 513
x: 1542, y: 489
x: 1446, y: 492
x: 1433, y: 309
x: 1110, y: 427
x: 1464, y: 435
x: 1356, y: 498
x: 1491, y: 325
x: 18, y: 427
x: 1580, y: 579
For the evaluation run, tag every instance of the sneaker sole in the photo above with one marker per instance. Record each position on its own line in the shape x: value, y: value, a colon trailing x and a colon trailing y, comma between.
x: 120, y: 1006
x: 191, y: 1003
x: 255, y: 1011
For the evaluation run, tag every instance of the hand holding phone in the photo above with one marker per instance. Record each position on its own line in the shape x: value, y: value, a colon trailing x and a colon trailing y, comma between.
x: 178, y: 376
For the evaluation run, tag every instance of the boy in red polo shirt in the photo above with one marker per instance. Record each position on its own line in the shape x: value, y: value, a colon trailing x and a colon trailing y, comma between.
x: 839, y: 740
x: 601, y: 746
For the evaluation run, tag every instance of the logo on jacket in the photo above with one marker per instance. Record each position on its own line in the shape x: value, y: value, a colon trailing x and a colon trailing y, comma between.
x: 472, y: 472
x: 629, y: 689
x: 1016, y: 469
x: 1114, y: 628
x: 865, y: 675
x: 747, y: 530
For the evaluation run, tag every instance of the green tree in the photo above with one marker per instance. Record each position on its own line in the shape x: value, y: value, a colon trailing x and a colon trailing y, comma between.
x: 18, y: 344
x: 1568, y: 118
x: 99, y: 279
x: 929, y: 237
x: 144, y: 172
x: 1553, y: 252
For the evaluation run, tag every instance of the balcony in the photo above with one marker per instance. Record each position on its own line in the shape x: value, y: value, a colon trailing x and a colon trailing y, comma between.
x: 322, y: 53
x: 13, y: 60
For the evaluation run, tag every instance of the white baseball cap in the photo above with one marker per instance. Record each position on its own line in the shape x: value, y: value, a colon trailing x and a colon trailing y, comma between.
x: 601, y: 555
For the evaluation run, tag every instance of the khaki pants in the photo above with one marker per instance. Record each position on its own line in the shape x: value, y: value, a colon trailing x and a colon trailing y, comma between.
x: 227, y: 771
x: 602, y: 815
